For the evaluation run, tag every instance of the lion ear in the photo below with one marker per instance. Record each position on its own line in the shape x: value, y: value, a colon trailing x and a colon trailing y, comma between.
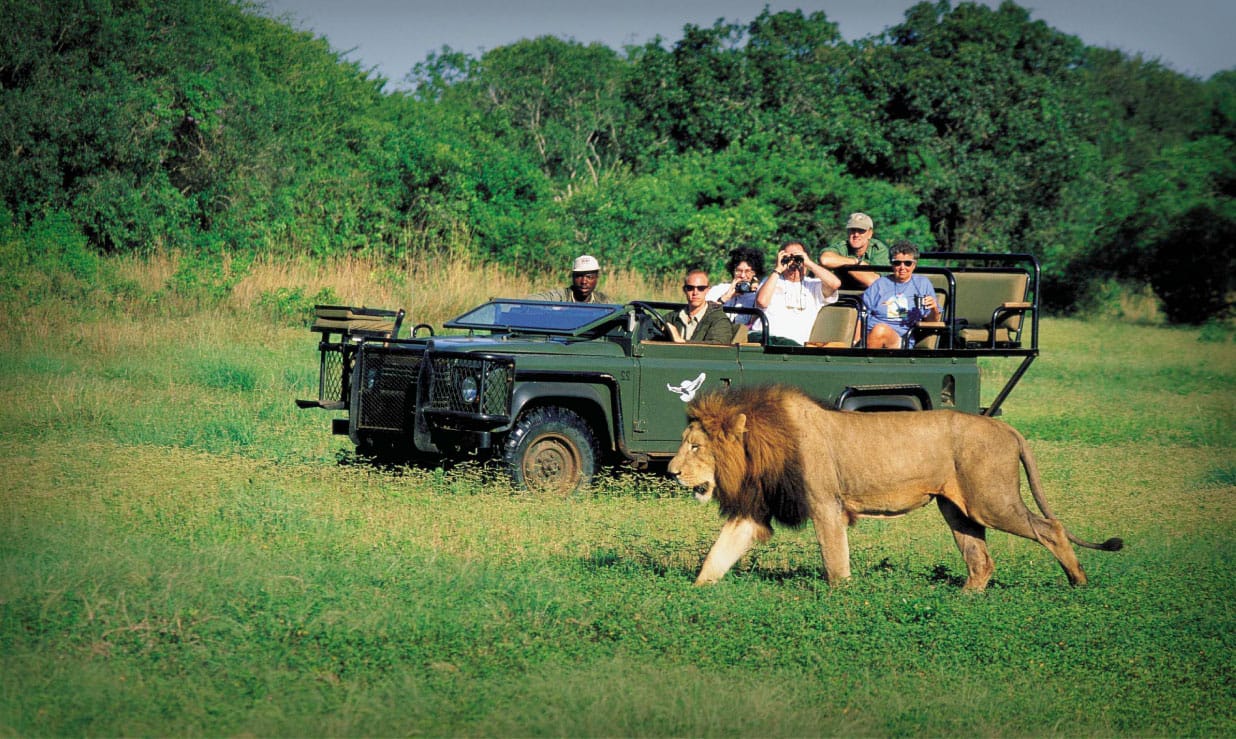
x: 740, y: 424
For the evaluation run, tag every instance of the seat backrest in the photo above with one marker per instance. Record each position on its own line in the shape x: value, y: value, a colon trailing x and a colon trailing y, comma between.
x: 357, y: 322
x: 834, y: 323
x: 740, y: 335
x: 980, y: 293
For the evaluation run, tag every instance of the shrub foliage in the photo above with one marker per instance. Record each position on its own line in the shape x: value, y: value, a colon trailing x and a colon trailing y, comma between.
x: 206, y: 126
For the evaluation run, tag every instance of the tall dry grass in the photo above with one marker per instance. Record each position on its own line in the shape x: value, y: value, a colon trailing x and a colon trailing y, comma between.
x: 432, y: 289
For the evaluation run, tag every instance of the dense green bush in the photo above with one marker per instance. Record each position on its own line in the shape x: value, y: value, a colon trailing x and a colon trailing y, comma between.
x: 1193, y: 267
x: 204, y: 126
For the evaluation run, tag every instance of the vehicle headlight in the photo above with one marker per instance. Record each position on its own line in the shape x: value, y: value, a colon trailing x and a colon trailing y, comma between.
x: 469, y: 389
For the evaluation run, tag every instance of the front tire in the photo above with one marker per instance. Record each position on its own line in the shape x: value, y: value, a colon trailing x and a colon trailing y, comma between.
x: 550, y: 450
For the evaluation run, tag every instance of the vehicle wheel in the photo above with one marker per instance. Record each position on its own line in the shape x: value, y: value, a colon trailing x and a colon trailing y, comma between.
x: 550, y: 450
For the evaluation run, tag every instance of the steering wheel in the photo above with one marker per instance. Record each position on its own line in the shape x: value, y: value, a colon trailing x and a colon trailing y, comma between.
x: 657, y: 321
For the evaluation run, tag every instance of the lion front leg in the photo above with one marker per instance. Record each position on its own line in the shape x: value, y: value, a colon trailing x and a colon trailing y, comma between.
x: 830, y: 531
x: 737, y: 536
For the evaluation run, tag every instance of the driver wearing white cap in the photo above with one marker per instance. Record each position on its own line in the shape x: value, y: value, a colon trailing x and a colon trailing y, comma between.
x: 585, y: 273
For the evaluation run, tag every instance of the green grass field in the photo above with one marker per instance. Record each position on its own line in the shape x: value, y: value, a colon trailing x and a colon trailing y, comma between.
x: 182, y: 552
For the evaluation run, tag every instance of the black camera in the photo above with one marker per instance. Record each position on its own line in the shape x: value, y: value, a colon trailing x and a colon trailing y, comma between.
x: 742, y: 288
x: 792, y: 259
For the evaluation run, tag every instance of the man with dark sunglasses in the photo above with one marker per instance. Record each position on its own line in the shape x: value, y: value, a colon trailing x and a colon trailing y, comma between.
x: 700, y: 320
x: 897, y: 302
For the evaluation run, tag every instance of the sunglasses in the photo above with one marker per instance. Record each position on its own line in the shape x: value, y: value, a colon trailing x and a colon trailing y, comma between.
x: 694, y: 288
x: 902, y: 262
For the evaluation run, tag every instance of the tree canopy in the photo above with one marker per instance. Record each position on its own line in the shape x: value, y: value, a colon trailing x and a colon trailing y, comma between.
x: 206, y: 126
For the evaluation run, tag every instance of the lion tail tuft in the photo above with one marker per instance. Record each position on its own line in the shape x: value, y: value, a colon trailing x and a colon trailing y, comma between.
x: 1113, y: 544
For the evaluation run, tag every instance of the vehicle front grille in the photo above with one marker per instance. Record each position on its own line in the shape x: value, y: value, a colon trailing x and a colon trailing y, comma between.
x: 491, y: 379
x: 387, y: 385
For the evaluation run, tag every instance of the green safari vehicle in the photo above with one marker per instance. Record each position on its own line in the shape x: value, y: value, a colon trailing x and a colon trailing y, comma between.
x: 556, y: 390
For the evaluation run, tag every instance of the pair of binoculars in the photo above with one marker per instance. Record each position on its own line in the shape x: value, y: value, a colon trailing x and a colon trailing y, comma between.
x: 742, y: 288
x: 792, y: 259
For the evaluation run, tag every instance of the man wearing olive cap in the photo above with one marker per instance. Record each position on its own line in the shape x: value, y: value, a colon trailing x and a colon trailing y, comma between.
x: 585, y: 272
x: 858, y: 248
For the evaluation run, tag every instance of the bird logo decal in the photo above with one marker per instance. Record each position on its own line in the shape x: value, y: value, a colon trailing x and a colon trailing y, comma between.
x: 687, y: 388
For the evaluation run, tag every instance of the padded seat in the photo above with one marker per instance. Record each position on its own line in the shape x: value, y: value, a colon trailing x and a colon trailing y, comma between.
x: 834, y: 326
x: 990, y: 307
x: 342, y: 329
x: 356, y: 322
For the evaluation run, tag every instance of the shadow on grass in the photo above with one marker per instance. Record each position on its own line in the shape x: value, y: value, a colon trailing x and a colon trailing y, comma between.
x: 686, y: 566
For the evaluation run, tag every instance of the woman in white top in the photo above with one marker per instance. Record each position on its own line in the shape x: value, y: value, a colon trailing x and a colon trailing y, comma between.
x: 790, y: 298
x: 745, y: 265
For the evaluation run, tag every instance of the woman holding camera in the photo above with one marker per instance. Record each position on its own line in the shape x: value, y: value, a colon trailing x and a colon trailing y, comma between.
x: 745, y: 265
x: 896, y: 303
x: 790, y: 298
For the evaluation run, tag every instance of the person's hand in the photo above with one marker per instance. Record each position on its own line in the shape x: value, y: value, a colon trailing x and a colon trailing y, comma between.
x: 778, y: 267
x: 929, y: 302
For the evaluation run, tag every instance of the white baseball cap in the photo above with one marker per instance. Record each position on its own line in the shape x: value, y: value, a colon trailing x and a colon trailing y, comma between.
x: 586, y: 263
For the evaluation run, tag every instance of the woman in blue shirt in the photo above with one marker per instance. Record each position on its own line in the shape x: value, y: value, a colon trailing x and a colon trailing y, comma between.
x: 897, y: 302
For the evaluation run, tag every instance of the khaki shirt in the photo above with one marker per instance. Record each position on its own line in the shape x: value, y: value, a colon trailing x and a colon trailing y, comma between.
x: 567, y: 295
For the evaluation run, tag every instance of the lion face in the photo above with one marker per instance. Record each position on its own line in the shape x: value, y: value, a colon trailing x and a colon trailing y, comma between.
x: 694, y: 465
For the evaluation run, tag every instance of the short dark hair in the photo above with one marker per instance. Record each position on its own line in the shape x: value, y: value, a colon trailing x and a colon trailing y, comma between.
x: 904, y: 247
x: 753, y: 257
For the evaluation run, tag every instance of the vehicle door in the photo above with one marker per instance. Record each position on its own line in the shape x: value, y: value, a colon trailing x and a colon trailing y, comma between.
x: 670, y: 376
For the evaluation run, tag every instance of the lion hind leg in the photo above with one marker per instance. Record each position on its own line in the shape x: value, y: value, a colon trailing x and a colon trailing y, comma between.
x: 971, y: 539
x: 1049, y: 532
x: 1052, y: 534
x: 737, y: 536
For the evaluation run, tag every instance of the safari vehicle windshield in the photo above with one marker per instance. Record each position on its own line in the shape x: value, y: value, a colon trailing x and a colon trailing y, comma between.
x: 533, y: 315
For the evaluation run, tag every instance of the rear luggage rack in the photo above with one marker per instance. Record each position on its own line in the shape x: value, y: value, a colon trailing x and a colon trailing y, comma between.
x: 343, y: 328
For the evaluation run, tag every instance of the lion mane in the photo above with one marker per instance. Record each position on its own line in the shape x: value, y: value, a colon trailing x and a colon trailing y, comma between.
x: 759, y: 472
x: 772, y: 453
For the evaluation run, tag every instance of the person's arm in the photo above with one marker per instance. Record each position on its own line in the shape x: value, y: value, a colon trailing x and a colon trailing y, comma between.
x: 675, y: 330
x: 716, y: 327
x: 768, y: 288
x: 833, y: 260
x: 829, y: 282
x: 720, y: 293
x: 550, y: 295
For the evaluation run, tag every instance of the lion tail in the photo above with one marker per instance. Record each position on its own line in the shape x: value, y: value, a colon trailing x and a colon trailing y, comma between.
x: 1113, y: 544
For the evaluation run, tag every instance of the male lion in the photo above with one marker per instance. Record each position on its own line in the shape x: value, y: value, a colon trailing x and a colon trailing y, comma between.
x: 773, y: 453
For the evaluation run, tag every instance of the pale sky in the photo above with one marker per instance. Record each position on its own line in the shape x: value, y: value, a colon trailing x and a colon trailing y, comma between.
x: 1190, y: 36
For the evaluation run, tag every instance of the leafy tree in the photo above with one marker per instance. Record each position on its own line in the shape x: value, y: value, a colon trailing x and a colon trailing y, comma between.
x: 980, y: 107
x: 204, y: 125
x: 801, y: 85
x: 696, y: 96
x: 557, y: 100
x: 1193, y: 268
